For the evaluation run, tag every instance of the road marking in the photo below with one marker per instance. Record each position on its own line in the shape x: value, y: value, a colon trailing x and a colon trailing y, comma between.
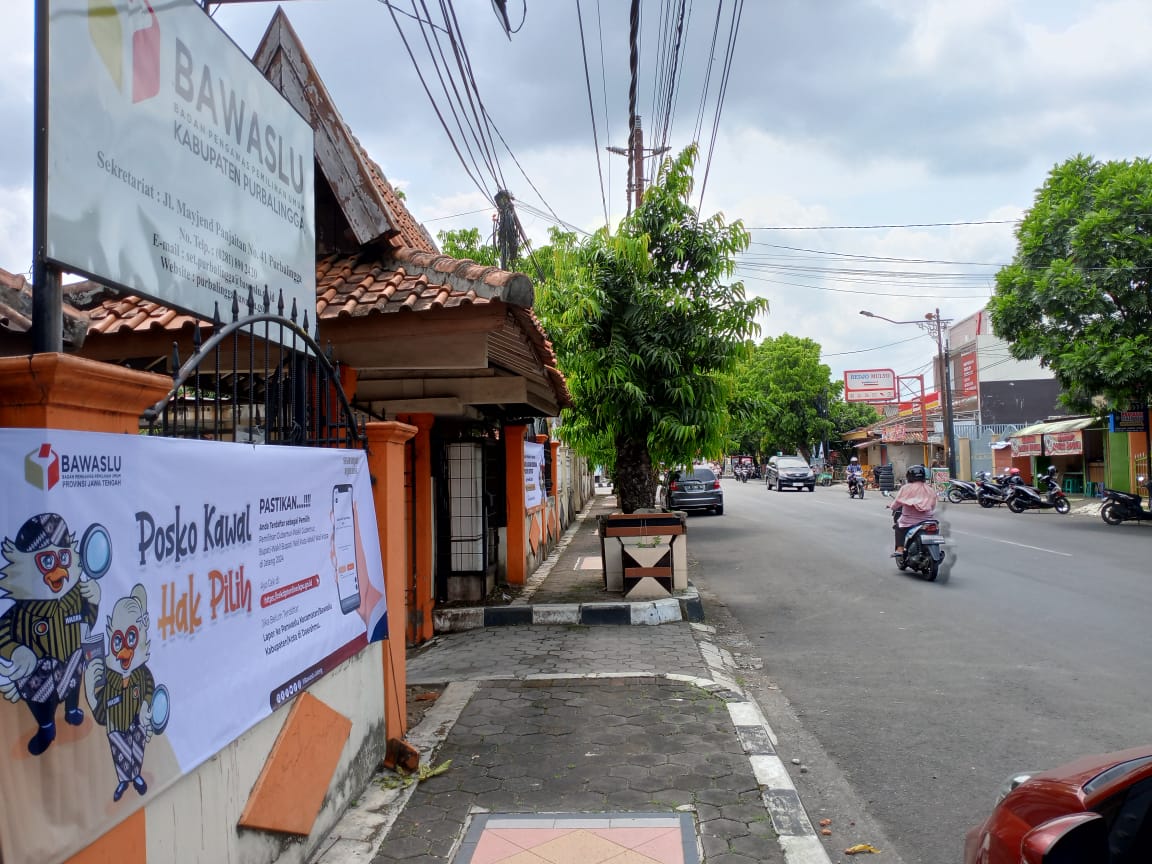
x: 1013, y: 543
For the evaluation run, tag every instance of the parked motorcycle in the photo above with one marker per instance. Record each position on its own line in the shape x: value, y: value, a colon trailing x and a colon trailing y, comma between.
x: 1024, y: 497
x: 963, y: 490
x: 992, y: 491
x: 856, y: 486
x: 923, y: 548
x: 1126, y: 506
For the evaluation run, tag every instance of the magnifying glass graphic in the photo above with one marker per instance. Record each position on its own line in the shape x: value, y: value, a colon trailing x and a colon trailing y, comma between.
x: 96, y: 551
x: 161, y: 709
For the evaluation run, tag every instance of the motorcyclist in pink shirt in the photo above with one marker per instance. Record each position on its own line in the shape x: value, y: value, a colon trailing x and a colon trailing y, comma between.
x: 913, y: 504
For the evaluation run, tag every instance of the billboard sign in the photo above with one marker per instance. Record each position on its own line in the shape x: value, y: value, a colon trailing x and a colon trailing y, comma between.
x: 158, y: 599
x: 175, y: 169
x: 1128, y: 421
x: 969, y: 380
x: 869, y: 385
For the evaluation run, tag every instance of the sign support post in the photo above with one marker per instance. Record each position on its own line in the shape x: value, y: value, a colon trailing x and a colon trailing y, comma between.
x: 47, y: 297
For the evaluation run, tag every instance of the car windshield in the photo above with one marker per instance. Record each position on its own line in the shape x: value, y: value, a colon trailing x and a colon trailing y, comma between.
x: 792, y: 464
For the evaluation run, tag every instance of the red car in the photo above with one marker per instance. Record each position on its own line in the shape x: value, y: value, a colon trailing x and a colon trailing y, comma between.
x: 1096, y: 810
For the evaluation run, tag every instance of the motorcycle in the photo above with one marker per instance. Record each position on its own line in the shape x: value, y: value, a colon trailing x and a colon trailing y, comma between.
x: 1022, y: 497
x: 923, y: 548
x: 992, y: 492
x: 856, y: 486
x: 1126, y: 506
x: 963, y: 490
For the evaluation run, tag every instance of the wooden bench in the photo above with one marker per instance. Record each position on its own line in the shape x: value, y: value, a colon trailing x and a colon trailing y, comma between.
x: 626, y: 526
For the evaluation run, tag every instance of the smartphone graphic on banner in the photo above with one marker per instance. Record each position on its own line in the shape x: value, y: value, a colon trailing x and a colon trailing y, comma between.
x: 344, y: 541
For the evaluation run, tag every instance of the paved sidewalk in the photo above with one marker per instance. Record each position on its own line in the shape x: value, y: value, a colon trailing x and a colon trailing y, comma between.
x: 577, y: 744
x: 568, y: 588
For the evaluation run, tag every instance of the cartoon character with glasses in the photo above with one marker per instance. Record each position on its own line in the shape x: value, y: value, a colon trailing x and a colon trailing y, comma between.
x: 41, y: 635
x: 122, y: 692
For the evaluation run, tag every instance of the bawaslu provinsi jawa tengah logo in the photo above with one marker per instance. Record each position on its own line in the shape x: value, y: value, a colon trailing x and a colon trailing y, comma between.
x: 42, y: 467
x: 126, y: 35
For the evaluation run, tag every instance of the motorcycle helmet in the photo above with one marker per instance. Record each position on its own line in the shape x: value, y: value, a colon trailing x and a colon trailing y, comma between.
x: 1013, y: 472
x: 1051, y: 470
x: 916, y: 474
x: 854, y: 460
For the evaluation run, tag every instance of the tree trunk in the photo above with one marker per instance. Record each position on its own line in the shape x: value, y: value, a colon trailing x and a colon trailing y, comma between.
x: 635, y: 485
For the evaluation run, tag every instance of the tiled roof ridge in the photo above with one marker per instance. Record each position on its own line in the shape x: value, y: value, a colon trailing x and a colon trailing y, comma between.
x: 463, y: 274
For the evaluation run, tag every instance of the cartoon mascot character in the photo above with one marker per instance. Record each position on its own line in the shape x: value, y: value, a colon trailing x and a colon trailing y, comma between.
x: 120, y: 689
x: 41, y: 657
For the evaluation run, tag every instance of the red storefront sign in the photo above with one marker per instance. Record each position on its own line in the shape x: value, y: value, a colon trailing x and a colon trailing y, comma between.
x: 895, y: 434
x: 1027, y: 445
x: 969, y: 382
x: 1063, y: 443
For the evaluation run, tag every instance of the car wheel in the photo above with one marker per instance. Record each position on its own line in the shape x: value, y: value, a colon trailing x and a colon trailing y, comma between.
x: 719, y: 509
x: 779, y: 486
x: 812, y: 488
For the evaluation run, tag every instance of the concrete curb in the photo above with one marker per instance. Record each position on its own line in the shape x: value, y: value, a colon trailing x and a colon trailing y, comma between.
x: 686, y: 606
x: 797, y: 838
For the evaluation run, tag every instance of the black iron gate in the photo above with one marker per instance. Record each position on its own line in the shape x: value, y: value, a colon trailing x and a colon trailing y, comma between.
x: 259, y: 379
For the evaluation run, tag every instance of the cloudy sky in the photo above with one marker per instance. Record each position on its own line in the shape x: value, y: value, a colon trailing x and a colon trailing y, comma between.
x: 935, y: 118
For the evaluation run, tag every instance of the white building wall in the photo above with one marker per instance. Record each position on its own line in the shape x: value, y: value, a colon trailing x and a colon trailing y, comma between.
x: 195, y: 820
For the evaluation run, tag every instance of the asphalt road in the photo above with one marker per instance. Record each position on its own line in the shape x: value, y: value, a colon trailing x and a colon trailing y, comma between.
x: 926, y: 696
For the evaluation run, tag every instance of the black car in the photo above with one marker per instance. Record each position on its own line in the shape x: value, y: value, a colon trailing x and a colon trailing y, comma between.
x: 696, y: 488
x: 789, y: 472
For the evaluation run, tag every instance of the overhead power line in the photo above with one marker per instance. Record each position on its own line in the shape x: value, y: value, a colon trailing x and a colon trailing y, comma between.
x: 866, y: 350
x: 871, y: 227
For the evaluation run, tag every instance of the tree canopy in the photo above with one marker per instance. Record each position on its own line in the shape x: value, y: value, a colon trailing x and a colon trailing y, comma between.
x: 1076, y: 295
x: 648, y: 332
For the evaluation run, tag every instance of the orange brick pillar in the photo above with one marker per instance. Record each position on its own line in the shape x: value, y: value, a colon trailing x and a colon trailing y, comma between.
x: 62, y: 391
x: 514, y: 494
x: 423, y: 507
x: 386, y: 462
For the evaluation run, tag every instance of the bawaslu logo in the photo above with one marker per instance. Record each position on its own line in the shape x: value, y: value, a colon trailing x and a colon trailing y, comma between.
x: 126, y: 35
x: 42, y: 467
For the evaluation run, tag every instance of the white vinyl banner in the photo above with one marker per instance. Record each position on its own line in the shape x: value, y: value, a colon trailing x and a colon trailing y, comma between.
x: 175, y: 169
x: 533, y: 474
x: 158, y: 598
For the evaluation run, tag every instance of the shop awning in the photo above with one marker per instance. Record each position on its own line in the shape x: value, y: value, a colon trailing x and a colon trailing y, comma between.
x: 1073, y: 425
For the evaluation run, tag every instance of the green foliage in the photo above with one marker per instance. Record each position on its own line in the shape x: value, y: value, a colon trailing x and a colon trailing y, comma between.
x: 845, y: 417
x: 466, y: 243
x: 787, y: 394
x: 1076, y: 294
x: 648, y: 332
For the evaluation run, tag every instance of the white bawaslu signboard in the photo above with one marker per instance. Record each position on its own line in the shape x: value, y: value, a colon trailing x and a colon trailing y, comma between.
x: 158, y: 598
x: 175, y: 169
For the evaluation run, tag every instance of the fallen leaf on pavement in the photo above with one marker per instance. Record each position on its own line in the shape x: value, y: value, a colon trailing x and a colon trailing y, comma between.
x: 861, y: 848
x: 827, y: 832
x: 824, y: 823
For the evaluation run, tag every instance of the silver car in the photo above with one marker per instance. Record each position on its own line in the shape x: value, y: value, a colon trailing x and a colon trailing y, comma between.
x: 789, y: 472
x: 696, y: 488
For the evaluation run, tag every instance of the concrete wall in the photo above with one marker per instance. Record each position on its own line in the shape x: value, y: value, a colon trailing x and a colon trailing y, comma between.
x: 329, y: 740
x: 194, y: 821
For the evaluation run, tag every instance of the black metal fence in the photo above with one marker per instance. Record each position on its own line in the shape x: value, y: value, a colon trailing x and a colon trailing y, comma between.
x: 261, y: 379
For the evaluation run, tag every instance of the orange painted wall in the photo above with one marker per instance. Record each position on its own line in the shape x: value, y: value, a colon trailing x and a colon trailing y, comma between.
x: 514, y: 484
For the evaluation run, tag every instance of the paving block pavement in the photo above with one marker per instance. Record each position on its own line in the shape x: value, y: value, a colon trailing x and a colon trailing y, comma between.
x: 584, y: 720
x: 566, y: 718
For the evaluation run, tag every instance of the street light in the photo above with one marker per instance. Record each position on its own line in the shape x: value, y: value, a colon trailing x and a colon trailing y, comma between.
x: 934, y: 326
